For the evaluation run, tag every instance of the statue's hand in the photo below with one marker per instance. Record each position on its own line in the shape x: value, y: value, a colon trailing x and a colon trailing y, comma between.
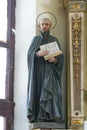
x: 41, y: 53
x: 53, y: 59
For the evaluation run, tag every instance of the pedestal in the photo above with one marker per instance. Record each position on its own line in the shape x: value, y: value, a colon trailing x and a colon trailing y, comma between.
x: 47, y: 125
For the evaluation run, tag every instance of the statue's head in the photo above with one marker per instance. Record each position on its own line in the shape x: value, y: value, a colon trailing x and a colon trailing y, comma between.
x: 44, y: 24
x: 46, y: 21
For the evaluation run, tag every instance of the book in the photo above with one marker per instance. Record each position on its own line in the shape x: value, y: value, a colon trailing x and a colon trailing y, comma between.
x: 53, y: 49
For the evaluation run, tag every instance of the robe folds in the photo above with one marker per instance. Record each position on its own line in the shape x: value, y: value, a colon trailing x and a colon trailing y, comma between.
x: 44, y: 99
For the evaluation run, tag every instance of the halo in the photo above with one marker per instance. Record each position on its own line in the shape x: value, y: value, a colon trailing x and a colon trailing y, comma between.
x: 48, y: 15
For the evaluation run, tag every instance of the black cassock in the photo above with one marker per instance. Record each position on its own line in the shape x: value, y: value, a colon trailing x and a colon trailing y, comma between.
x: 44, y: 98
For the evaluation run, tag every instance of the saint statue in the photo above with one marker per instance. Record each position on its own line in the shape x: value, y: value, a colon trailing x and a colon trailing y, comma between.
x: 44, y: 99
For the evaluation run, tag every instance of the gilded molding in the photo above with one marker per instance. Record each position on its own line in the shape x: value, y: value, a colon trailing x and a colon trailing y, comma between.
x: 76, y: 13
x: 78, y: 121
x: 76, y: 30
x: 76, y: 46
x: 76, y: 6
x: 76, y: 42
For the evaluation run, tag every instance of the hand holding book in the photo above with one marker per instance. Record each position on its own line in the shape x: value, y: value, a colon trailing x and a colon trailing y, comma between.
x: 41, y: 53
x: 52, y: 48
x: 52, y: 59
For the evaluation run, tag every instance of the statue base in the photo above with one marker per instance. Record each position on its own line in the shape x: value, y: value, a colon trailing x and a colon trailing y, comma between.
x: 47, y: 125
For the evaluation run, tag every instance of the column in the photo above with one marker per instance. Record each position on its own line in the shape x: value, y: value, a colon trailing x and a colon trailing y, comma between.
x: 76, y: 11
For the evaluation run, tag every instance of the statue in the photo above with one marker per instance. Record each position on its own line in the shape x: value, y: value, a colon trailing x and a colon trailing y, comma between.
x: 44, y: 99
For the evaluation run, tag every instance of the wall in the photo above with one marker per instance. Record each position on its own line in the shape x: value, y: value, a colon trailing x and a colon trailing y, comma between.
x: 25, y: 30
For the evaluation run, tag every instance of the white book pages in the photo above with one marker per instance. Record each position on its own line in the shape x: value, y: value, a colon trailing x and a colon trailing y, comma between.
x: 53, y: 49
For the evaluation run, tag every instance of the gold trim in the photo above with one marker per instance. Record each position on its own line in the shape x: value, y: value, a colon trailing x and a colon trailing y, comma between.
x: 76, y: 6
x: 77, y: 122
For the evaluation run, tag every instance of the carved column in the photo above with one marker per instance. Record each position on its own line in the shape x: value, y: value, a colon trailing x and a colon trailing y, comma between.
x: 76, y: 46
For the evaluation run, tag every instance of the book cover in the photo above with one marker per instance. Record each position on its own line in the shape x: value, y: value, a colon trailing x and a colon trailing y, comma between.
x: 53, y: 49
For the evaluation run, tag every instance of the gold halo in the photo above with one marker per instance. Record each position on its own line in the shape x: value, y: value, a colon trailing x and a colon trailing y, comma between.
x: 48, y: 15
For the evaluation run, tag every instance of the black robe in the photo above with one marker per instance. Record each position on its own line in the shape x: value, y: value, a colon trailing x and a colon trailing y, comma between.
x: 44, y: 98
